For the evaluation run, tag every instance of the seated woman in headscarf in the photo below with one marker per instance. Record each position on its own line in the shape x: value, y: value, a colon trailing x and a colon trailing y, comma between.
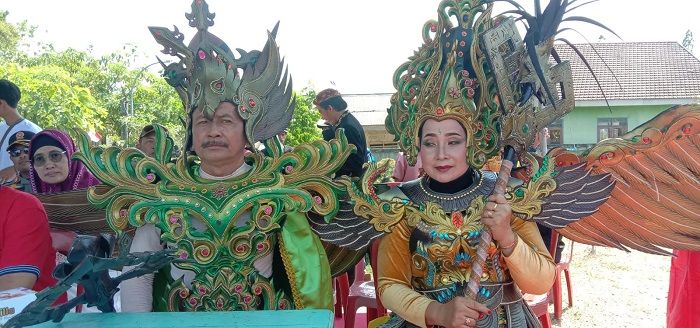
x: 53, y: 170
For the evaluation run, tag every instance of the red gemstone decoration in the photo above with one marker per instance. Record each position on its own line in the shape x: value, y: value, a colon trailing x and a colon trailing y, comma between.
x: 607, y: 155
x: 646, y: 140
x: 258, y: 290
x: 267, y: 210
x: 205, y: 252
x: 464, y: 33
x: 242, y: 108
x: 260, y: 247
x: 238, y: 288
x: 202, y: 290
x: 686, y: 128
x: 184, y: 255
x: 470, y: 92
x: 184, y: 293
x: 247, y: 299
x: 462, y: 43
x: 174, y: 218
x: 318, y: 199
x: 439, y: 111
x: 218, y: 85
x: 560, y: 163
x: 433, y: 28
x: 193, y: 301
x: 201, y: 54
x: 251, y: 102
x: 460, y: 54
x: 457, y: 219
x: 288, y: 169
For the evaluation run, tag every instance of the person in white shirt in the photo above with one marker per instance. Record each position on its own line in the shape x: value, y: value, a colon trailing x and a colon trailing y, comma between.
x: 12, y: 123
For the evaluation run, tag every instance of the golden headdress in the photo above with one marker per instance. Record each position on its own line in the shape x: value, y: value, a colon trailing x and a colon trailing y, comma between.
x: 477, y: 70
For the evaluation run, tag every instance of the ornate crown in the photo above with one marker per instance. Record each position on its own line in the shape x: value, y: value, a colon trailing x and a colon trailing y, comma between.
x: 477, y: 70
x: 208, y: 73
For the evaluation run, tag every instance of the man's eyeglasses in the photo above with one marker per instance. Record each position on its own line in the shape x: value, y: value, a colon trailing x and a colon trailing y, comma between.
x: 54, y: 155
x: 15, y: 152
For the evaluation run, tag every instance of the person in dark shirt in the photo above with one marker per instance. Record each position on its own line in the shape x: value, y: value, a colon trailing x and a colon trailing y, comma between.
x: 334, y: 111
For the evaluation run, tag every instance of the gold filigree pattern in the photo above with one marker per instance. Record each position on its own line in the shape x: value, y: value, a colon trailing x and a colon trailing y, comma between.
x: 219, y: 228
x: 527, y: 200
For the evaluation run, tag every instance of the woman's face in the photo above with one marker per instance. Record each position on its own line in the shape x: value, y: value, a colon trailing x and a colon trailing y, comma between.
x: 443, y: 150
x: 51, y: 164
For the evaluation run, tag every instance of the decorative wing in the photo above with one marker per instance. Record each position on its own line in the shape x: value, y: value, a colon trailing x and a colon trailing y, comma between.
x: 655, y: 201
x: 266, y: 94
x: 72, y: 211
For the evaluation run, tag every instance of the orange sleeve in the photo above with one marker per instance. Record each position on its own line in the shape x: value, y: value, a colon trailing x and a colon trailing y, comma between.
x: 530, y: 264
x: 394, y: 272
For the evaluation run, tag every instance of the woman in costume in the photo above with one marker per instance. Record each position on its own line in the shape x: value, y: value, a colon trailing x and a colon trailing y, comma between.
x: 53, y: 169
x: 475, y: 88
x: 420, y: 271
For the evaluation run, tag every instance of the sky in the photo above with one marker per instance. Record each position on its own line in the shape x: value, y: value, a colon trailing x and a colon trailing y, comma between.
x: 354, y: 46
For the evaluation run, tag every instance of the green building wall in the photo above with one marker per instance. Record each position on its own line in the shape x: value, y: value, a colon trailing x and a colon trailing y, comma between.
x: 580, y: 127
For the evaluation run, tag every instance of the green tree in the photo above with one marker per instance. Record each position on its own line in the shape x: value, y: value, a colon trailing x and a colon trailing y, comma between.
x: 688, y: 41
x: 9, y: 36
x: 303, y: 127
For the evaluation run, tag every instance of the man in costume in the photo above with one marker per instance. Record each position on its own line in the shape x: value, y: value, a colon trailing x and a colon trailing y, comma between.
x: 238, y: 224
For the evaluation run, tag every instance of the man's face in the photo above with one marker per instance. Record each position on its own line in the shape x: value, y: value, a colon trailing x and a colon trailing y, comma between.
x: 220, y: 140
x: 283, y: 136
x: 19, y: 154
x: 324, y: 113
x: 147, y: 144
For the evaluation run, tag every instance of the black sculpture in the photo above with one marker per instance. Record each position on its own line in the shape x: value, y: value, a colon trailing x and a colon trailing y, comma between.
x: 89, y: 262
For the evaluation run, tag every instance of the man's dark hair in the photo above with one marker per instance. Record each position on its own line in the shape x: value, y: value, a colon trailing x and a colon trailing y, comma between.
x: 10, y: 93
x: 338, y: 104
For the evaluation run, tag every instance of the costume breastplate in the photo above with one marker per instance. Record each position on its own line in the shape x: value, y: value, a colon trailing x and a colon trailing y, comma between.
x: 222, y: 257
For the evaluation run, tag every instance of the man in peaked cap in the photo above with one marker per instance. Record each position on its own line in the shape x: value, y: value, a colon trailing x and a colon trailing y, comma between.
x: 18, y: 148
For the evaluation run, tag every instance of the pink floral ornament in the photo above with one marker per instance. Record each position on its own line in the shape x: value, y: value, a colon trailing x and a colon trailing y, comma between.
x: 202, y: 55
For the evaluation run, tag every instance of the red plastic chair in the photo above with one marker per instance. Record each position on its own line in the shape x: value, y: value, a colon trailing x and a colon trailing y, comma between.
x: 363, y: 293
x: 563, y: 265
x: 540, y: 306
x: 342, y: 289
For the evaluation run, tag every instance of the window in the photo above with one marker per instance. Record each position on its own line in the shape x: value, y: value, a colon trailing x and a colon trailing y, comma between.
x: 611, y: 128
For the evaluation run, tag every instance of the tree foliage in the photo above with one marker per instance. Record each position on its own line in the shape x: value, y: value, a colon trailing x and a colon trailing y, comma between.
x: 74, y: 90
x: 303, y: 127
x: 689, y: 41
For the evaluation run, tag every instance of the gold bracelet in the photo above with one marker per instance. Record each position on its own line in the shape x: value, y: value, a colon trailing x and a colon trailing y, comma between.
x: 512, y: 245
